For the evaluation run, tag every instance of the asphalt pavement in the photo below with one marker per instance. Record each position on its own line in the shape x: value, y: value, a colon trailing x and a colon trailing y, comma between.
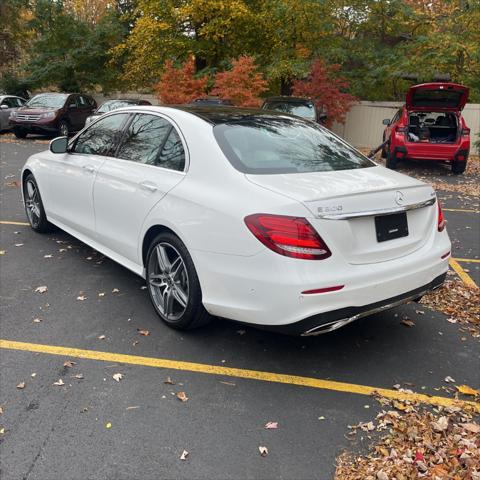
x: 90, y: 426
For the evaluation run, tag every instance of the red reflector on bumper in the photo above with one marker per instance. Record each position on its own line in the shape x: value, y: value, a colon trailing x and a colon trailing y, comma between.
x: 323, y: 290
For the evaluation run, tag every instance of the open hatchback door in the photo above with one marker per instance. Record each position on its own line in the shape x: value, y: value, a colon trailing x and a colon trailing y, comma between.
x: 439, y: 97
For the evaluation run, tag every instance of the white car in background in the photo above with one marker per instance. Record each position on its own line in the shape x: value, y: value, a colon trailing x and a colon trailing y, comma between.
x: 249, y: 215
x: 9, y: 104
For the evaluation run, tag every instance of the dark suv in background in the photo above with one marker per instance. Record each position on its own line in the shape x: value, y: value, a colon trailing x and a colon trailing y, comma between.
x: 299, y: 106
x: 52, y: 114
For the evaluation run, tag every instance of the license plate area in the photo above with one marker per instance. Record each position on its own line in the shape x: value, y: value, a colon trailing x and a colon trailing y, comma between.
x: 389, y: 227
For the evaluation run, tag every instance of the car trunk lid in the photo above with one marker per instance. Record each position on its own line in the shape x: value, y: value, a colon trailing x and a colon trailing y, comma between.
x: 344, y: 206
x: 441, y: 97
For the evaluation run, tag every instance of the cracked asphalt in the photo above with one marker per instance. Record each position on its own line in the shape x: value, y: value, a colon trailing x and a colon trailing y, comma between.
x: 96, y: 428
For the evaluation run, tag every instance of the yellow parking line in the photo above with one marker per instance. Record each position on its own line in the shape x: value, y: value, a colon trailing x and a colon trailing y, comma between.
x: 468, y: 260
x: 460, y: 210
x: 8, y: 222
x: 462, y: 273
x: 235, y: 372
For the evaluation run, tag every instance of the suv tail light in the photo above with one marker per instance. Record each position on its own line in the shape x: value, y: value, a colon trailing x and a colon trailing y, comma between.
x: 465, y: 132
x: 288, y: 236
x: 402, y: 129
x: 441, y: 219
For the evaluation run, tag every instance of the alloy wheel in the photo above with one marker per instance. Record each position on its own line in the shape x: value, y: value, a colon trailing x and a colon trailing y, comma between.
x: 32, y: 203
x: 168, y: 281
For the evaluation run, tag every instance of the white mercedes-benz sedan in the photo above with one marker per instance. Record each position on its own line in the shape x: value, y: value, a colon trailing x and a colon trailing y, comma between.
x: 250, y: 215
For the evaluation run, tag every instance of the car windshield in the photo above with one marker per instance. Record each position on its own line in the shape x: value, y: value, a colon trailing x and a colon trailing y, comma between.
x: 113, y: 105
x: 305, y: 110
x: 269, y: 145
x: 47, y: 101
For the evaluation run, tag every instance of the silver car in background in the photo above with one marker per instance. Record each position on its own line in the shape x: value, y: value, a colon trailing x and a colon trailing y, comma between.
x: 8, y: 104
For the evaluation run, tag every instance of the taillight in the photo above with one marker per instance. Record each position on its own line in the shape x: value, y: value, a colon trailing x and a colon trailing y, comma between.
x: 465, y: 132
x: 401, y: 129
x: 288, y: 236
x: 441, y: 219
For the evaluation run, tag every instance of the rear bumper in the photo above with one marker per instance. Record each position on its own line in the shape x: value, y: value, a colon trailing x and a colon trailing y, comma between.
x: 445, y: 153
x: 330, y: 321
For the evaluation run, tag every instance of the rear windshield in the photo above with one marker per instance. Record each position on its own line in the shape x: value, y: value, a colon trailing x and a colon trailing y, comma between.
x: 113, y: 105
x: 47, y: 101
x: 262, y: 145
x: 305, y: 110
x: 436, y: 98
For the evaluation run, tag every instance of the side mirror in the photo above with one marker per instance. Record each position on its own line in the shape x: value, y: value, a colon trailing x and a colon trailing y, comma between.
x: 59, y: 145
x: 4, y: 107
x: 386, y: 121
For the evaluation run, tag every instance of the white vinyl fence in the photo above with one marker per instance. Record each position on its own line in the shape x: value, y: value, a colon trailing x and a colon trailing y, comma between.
x: 363, y: 127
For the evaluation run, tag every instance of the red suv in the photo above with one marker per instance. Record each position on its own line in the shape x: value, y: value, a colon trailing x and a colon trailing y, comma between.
x: 429, y: 126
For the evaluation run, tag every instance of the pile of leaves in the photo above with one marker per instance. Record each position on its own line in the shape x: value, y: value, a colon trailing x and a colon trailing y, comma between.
x: 438, y: 444
x: 460, y: 302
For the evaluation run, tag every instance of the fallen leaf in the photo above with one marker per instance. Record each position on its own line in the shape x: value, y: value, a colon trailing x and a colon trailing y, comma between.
x: 117, y: 376
x: 2, y: 252
x: 184, y: 455
x: 230, y: 384
x: 449, y: 379
x: 2, y: 431
x: 271, y: 425
x: 101, y: 294
x: 1, y: 410
x: 263, y: 451
x: 19, y: 244
x: 37, y: 320
x: 321, y: 418
x: 466, y: 390
x: 471, y: 427
x: 48, y: 256
x: 21, y: 385
x: 69, y: 364
x: 59, y: 382
x: 133, y: 407
x: 441, y: 424
x: 14, y: 184
x: 169, y: 381
x: 81, y: 298
x: 115, y: 290
x: 41, y: 289
x: 182, y: 396
x: 101, y: 337
x: 108, y: 425
x: 381, y: 475
x: 79, y: 376
x: 407, y: 322
x: 145, y: 333
x: 33, y: 375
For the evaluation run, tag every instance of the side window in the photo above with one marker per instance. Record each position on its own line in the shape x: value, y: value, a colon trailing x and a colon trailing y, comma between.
x: 82, y: 101
x: 143, y: 139
x: 9, y: 102
x: 100, y: 137
x: 19, y: 102
x: 397, y: 116
x: 72, y: 102
x: 172, y: 155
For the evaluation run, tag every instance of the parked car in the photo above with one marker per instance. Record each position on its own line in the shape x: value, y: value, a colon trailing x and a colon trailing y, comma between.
x: 430, y: 126
x: 110, y: 105
x: 211, y: 101
x: 302, y: 107
x: 52, y: 113
x: 8, y: 104
x: 250, y: 215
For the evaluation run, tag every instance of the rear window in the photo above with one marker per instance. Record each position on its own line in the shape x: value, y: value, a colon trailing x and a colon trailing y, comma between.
x: 305, y: 110
x: 262, y: 145
x: 436, y: 98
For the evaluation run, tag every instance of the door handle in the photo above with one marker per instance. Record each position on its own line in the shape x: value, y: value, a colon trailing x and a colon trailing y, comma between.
x: 151, y: 187
x: 89, y: 168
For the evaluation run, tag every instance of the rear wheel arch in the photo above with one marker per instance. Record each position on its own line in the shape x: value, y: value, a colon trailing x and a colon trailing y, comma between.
x: 150, y: 235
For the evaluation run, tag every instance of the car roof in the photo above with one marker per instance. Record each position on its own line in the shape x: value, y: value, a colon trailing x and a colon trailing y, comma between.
x: 217, y: 114
x: 287, y: 99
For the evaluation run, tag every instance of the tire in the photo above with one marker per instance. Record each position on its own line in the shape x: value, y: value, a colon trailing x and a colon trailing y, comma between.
x: 384, y: 149
x: 63, y: 128
x: 173, y: 284
x: 458, y: 167
x: 20, y: 133
x: 34, y: 206
x: 391, y: 161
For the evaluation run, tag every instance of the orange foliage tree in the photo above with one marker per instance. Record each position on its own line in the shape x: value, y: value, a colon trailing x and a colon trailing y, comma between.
x: 242, y: 84
x: 326, y: 89
x: 179, y: 85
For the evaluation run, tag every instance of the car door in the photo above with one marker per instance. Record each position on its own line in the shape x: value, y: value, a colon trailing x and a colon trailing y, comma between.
x: 70, y: 176
x: 149, y: 162
x: 7, y: 105
x: 74, y: 113
x: 392, y: 124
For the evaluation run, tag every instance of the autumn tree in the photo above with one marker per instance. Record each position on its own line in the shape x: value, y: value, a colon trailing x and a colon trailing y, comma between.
x: 242, y: 84
x: 327, y: 89
x: 179, y: 85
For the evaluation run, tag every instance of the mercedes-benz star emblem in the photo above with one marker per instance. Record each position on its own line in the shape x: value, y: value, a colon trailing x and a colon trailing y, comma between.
x: 399, y: 198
